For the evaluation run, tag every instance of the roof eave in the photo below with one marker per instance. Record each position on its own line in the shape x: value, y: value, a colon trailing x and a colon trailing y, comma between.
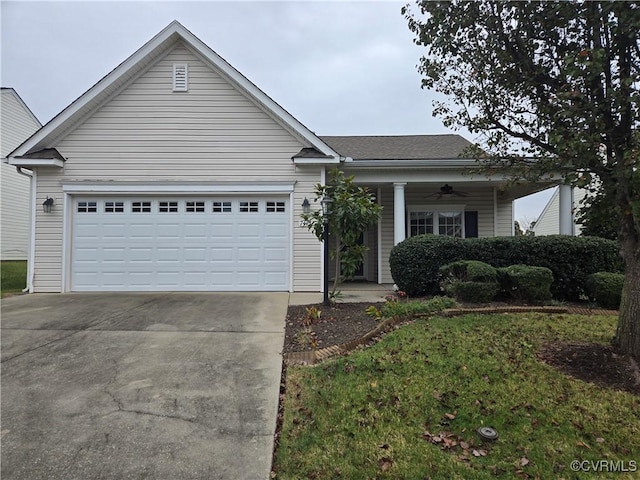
x: 430, y: 163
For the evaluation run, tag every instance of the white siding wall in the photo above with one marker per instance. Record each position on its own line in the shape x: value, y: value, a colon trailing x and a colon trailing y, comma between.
x: 16, y: 125
x: 505, y: 218
x: 549, y: 221
x: 150, y: 133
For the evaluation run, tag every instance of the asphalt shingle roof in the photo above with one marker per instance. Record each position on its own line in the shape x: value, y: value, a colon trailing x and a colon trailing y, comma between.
x: 398, y: 147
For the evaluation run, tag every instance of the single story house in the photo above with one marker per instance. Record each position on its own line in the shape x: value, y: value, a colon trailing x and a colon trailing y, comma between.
x: 17, y: 123
x: 175, y: 172
x: 548, y: 223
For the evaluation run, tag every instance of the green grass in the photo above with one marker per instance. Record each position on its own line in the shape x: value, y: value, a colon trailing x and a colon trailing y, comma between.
x: 14, y: 276
x: 367, y: 415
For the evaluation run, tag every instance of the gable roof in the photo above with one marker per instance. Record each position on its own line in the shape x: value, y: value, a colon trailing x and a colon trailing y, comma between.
x: 137, y: 63
x: 399, y: 147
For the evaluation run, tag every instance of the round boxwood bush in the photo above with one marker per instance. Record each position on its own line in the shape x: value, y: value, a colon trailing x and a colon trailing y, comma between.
x: 469, y: 271
x: 527, y: 283
x: 473, y: 292
x: 605, y: 288
x: 415, y: 262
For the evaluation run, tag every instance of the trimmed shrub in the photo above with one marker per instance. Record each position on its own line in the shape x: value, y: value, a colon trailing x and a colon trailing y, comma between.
x: 415, y: 262
x: 473, y: 292
x: 527, y: 283
x: 605, y: 288
x: 469, y: 281
x: 469, y: 271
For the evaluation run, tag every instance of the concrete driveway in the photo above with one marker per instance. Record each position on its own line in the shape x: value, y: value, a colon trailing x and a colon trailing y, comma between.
x: 131, y: 386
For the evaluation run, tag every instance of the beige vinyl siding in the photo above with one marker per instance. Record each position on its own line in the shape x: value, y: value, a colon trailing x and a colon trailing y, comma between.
x: 211, y: 133
x: 16, y: 125
x: 505, y: 218
x: 49, y: 227
x: 549, y: 221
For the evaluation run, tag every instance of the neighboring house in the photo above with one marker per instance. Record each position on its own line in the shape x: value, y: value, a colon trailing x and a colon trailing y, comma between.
x: 175, y: 172
x: 17, y: 123
x: 548, y: 223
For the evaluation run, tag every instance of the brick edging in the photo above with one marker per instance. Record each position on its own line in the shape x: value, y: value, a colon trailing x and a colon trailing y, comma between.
x: 311, y: 357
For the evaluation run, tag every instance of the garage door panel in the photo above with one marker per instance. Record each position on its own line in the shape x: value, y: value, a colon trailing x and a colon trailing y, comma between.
x: 155, y: 244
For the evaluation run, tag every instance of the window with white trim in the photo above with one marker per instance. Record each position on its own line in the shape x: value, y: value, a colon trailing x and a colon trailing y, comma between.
x: 273, y: 207
x: 195, y: 207
x: 168, y: 207
x: 248, y: 207
x: 437, y: 220
x: 87, y: 207
x: 221, y: 207
x: 113, y: 207
x: 141, y: 207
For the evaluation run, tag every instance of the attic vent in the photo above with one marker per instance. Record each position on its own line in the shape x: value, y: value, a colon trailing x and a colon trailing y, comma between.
x: 180, y: 77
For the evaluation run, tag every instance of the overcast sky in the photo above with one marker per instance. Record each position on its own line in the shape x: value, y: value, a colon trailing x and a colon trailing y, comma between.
x: 340, y: 68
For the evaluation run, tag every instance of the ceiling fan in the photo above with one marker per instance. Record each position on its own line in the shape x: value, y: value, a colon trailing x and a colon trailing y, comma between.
x: 447, y: 190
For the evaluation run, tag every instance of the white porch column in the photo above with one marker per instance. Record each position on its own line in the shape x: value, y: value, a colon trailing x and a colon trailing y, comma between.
x: 566, y: 205
x: 399, y: 227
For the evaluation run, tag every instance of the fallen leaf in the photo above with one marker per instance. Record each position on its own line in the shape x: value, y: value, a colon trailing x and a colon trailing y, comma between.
x: 374, y: 384
x: 479, y: 453
x: 524, y: 461
x: 600, y: 440
x: 582, y: 444
x: 385, y: 463
x: 464, y: 445
x: 450, y: 416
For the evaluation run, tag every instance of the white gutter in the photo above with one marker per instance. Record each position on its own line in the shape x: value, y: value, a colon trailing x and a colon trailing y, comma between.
x: 32, y: 229
x: 440, y: 163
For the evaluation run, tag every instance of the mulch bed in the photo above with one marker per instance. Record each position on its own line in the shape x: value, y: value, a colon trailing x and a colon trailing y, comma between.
x: 339, y: 323
x: 594, y: 363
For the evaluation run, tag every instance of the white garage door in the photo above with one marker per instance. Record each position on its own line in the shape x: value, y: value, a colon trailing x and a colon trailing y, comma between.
x: 180, y: 244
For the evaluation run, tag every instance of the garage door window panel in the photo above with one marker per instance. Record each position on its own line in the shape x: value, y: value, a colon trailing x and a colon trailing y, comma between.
x: 87, y: 207
x: 168, y: 207
x: 195, y: 207
x: 141, y: 207
x: 249, y: 207
x: 113, y: 207
x: 222, y: 207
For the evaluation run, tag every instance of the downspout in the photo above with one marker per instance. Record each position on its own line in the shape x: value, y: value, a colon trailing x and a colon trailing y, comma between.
x: 32, y: 229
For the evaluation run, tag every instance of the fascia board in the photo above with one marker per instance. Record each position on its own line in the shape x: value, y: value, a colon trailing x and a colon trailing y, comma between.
x: 316, y: 161
x: 446, y: 163
x: 35, y: 162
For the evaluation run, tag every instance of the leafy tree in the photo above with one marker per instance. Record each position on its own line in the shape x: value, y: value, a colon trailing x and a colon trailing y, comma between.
x: 353, y: 210
x: 598, y: 217
x: 548, y: 87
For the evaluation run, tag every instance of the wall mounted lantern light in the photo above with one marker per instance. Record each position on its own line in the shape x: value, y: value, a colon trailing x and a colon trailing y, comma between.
x: 306, y: 206
x: 47, y: 205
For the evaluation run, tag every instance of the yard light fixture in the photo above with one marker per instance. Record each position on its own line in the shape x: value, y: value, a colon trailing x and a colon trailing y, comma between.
x: 47, y: 205
x: 306, y: 206
x: 326, y: 207
x: 326, y: 211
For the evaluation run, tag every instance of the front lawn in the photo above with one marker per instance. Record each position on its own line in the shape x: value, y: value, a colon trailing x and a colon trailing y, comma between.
x: 409, y: 406
x: 14, y: 276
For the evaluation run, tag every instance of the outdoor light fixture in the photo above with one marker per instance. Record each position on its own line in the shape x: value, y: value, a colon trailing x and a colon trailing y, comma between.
x: 326, y: 211
x: 47, y: 205
x: 306, y: 206
x: 326, y: 207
